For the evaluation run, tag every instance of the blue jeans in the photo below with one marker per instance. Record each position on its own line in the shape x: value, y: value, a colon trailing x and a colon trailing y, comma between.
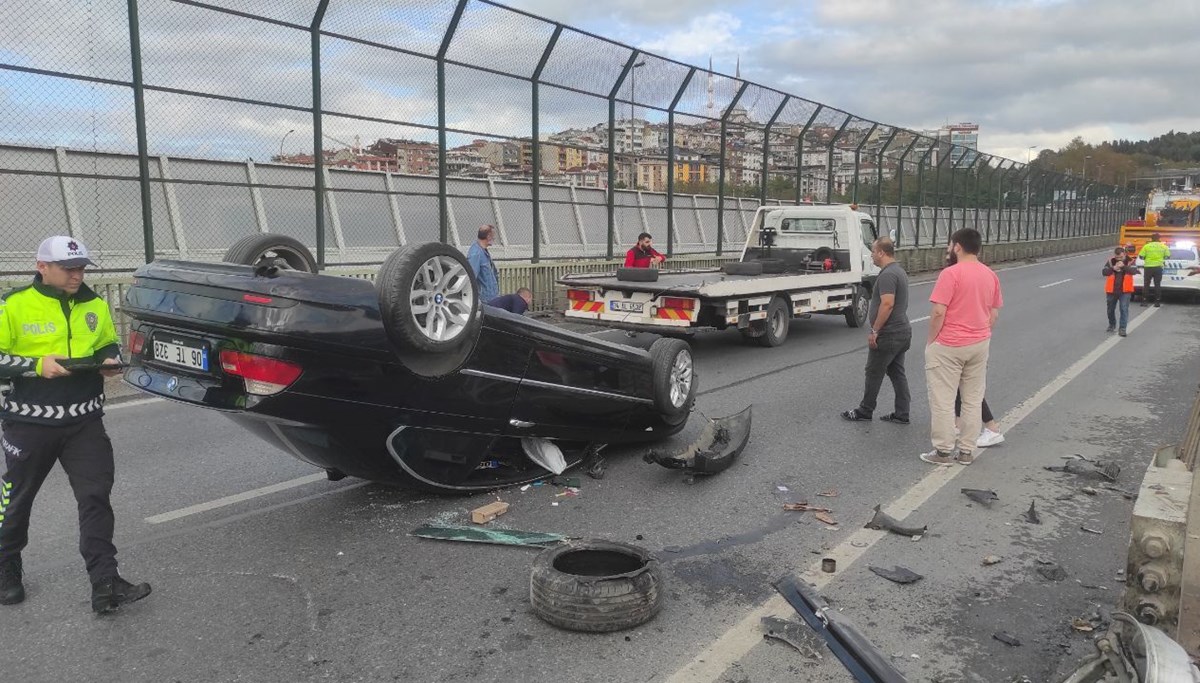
x: 1113, y: 299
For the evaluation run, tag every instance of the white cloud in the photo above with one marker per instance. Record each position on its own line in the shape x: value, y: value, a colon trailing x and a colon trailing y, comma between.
x: 714, y: 33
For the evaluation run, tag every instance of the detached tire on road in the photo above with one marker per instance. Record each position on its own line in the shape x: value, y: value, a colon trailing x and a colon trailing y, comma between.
x: 429, y: 302
x: 267, y: 249
x: 856, y: 315
x: 637, y: 274
x: 674, y: 378
x: 595, y: 586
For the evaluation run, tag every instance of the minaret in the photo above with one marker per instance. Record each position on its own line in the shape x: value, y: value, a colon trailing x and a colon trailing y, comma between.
x: 711, y: 103
x: 737, y: 70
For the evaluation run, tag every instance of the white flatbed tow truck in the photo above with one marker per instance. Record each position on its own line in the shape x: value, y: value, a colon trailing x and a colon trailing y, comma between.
x: 797, y: 260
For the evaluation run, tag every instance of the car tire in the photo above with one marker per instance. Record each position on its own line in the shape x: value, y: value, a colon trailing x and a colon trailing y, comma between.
x: 430, y: 348
x: 775, y: 327
x: 637, y: 274
x: 772, y: 266
x: 284, y: 252
x: 743, y: 268
x: 674, y: 378
x: 856, y: 314
x: 595, y: 586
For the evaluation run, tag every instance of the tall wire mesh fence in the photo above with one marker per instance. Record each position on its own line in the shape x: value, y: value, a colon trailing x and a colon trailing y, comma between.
x: 171, y: 128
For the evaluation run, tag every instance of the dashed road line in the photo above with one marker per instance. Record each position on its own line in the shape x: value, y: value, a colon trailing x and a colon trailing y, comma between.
x: 234, y: 499
x: 1052, y: 284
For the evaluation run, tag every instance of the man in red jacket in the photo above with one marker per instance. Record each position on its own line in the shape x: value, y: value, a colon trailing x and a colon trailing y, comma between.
x: 643, y: 254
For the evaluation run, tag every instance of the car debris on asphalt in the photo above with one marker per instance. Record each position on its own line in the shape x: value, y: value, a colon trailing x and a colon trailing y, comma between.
x: 885, y: 522
x: 1091, y: 531
x: 981, y: 496
x: 897, y: 574
x: 797, y: 635
x: 486, y: 513
x: 825, y: 518
x: 1031, y: 514
x: 991, y: 559
x: 720, y: 443
x: 531, y: 539
x: 804, y: 507
x: 1051, y: 571
x: 1007, y: 638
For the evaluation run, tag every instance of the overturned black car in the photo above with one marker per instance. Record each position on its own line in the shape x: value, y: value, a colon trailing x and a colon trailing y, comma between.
x: 410, y: 380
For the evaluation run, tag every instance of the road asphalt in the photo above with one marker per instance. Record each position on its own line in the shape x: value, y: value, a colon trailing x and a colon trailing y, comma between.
x: 317, y: 580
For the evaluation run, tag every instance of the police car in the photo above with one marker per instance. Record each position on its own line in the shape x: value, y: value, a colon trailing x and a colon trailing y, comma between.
x: 1181, y: 272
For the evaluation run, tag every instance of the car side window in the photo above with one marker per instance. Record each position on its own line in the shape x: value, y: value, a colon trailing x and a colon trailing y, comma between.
x: 869, y: 233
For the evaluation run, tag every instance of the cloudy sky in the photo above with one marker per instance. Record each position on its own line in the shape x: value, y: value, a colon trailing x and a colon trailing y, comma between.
x: 1030, y: 72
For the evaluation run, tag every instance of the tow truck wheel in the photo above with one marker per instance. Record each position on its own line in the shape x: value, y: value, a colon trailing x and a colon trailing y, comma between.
x: 856, y: 315
x: 775, y: 327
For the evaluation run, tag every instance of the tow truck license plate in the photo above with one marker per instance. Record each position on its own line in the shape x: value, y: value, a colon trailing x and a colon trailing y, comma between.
x: 626, y: 306
x: 179, y: 352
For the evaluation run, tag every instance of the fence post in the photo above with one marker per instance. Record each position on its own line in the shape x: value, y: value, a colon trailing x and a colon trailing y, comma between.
x: 937, y: 196
x: 921, y: 164
x: 721, y: 176
x: 857, y: 158
x: 318, y: 133
x: 954, y: 168
x: 899, y: 191
x: 671, y: 160
x: 443, y: 169
x: 535, y: 189
x: 611, y: 196
x: 139, y: 114
x: 829, y: 164
x: 766, y: 149
x: 800, y: 152
x: 879, y: 175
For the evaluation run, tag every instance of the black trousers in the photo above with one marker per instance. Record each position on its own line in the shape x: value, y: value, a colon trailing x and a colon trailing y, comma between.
x: 1153, y: 276
x: 86, y: 454
x: 987, y: 412
x: 887, y: 359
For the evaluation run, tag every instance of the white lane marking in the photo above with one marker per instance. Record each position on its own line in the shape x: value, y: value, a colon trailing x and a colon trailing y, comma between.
x: 712, y: 662
x: 1052, y: 284
x: 132, y: 404
x: 236, y: 498
x: 919, y: 320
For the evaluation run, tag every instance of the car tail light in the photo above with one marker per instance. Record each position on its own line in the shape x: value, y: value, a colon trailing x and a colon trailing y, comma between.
x: 137, y: 341
x: 256, y: 299
x: 679, y: 304
x: 264, y: 376
x: 579, y: 295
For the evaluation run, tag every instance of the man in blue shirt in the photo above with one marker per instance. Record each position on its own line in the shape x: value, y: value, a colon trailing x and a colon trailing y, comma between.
x: 481, y: 262
x: 514, y: 303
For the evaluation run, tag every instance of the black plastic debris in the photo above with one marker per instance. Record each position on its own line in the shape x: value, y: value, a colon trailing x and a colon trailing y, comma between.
x: 884, y: 522
x: 897, y: 574
x: 1031, y: 514
x: 981, y: 496
x: 1007, y: 638
x: 795, y: 634
x: 1052, y: 572
x: 1098, y: 469
x: 719, y: 444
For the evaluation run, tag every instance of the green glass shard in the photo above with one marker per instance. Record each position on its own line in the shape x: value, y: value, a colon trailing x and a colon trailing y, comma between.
x: 534, y: 539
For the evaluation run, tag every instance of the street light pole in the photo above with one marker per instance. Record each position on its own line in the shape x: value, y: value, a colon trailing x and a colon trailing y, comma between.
x: 632, y: 97
x: 1085, y: 159
x: 284, y: 140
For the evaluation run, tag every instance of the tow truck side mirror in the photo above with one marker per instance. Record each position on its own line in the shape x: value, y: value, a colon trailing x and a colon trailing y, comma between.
x: 892, y: 234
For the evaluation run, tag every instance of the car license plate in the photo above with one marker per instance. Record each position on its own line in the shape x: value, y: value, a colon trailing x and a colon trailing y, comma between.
x: 185, y: 353
x: 626, y: 306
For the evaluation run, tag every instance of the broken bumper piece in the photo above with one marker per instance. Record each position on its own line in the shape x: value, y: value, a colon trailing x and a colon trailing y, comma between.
x: 716, y: 448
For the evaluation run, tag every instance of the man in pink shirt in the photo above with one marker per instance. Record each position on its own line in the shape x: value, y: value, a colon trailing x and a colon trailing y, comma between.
x: 966, y: 301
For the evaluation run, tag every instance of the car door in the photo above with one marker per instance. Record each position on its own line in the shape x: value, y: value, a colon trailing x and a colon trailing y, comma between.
x: 869, y: 234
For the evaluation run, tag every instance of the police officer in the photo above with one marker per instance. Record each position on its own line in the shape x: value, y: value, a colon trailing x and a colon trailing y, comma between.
x: 54, y: 414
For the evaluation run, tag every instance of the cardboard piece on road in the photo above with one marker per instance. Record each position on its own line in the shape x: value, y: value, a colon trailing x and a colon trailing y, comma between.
x: 487, y: 513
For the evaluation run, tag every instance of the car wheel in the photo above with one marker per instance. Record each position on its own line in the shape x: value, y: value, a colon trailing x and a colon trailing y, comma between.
x: 430, y: 306
x: 856, y: 315
x: 595, y: 586
x: 280, y: 251
x: 775, y: 327
x: 740, y: 268
x: 674, y: 376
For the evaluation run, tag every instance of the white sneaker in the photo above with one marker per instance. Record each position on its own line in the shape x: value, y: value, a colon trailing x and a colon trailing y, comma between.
x: 989, y: 438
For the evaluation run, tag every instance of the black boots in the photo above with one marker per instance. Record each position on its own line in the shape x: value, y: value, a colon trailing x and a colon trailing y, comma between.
x: 12, y: 590
x: 113, y: 592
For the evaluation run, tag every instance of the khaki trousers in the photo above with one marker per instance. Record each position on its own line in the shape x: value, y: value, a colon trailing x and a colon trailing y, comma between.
x: 949, y: 370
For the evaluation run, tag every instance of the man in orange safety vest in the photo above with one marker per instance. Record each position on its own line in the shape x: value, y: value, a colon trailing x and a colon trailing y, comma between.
x: 1118, y: 287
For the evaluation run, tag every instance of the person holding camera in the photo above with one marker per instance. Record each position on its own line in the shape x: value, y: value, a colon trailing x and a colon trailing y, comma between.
x: 1118, y: 287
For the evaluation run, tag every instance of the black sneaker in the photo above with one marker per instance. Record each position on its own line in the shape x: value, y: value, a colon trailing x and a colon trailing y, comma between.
x: 1157, y: 304
x: 1122, y: 332
x: 113, y: 592
x: 854, y: 416
x: 1111, y: 328
x: 894, y: 419
x: 12, y: 591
